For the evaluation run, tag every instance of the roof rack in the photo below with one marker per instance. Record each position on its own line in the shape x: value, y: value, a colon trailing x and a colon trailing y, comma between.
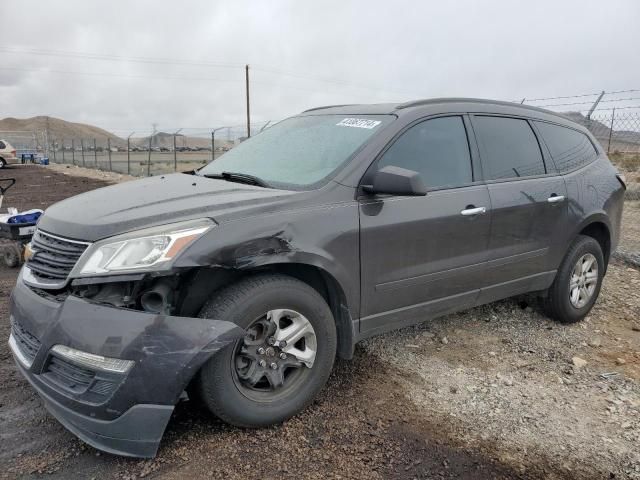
x: 431, y: 101
x: 328, y: 106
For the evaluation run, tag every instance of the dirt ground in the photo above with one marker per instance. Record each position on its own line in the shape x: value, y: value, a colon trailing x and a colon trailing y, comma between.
x: 493, y: 392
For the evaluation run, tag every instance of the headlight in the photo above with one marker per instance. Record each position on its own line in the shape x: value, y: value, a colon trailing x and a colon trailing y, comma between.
x: 148, y: 249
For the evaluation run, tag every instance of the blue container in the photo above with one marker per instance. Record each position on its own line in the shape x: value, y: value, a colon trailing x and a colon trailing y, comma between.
x: 44, y: 161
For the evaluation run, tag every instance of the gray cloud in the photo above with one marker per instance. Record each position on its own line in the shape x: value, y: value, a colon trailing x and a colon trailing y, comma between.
x: 331, y: 52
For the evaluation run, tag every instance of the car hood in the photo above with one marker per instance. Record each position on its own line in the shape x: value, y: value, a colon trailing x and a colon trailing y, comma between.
x: 154, y: 201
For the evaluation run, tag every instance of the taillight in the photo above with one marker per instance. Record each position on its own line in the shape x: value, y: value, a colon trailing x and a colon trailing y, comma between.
x: 622, y: 179
x: 13, y: 153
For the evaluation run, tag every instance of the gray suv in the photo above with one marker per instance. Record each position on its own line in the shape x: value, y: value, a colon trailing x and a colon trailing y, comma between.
x: 240, y: 282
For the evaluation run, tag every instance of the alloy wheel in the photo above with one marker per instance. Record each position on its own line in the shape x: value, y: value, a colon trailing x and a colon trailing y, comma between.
x: 584, y: 280
x: 275, y: 355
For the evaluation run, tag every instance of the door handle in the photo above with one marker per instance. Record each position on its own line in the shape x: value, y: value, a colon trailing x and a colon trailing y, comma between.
x: 473, y: 211
x: 555, y: 198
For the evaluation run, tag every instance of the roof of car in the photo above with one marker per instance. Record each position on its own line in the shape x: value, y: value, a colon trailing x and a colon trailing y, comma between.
x: 398, y: 108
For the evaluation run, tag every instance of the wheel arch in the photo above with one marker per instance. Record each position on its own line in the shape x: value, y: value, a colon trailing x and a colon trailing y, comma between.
x: 598, y: 228
x: 330, y: 289
x: 205, y: 281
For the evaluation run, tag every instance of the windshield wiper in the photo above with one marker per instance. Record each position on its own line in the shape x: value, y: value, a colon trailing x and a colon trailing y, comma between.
x: 238, y: 177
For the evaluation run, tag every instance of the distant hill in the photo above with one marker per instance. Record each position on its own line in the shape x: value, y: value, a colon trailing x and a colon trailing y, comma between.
x: 57, y: 128
x: 621, y: 139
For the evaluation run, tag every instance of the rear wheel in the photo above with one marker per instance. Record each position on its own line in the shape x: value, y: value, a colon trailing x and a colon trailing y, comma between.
x: 577, y: 283
x: 283, y: 360
x: 3, y: 163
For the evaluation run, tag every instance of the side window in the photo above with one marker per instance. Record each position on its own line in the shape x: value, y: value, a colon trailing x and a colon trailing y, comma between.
x: 509, y: 148
x: 2, y: 145
x: 569, y: 148
x: 437, y: 149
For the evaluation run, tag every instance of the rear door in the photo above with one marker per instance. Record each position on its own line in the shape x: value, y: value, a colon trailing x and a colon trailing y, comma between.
x: 424, y: 255
x: 529, y: 205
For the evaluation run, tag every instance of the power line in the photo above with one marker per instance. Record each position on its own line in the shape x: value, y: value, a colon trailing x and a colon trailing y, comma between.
x: 163, y: 77
x: 172, y: 61
x: 117, y: 58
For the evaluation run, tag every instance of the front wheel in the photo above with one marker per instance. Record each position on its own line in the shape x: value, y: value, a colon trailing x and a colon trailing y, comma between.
x: 283, y: 360
x: 578, y: 280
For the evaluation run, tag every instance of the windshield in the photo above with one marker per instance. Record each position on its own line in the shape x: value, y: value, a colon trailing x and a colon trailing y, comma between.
x: 301, y: 151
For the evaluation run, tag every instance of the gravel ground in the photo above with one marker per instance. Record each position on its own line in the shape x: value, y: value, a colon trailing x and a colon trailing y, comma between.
x: 498, y: 391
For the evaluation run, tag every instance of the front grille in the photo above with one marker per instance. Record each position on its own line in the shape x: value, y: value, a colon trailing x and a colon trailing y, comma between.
x: 27, y: 343
x: 54, y: 257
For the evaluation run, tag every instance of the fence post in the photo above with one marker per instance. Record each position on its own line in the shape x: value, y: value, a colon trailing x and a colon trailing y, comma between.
x: 73, y: 151
x: 54, y: 151
x: 63, y: 151
x: 95, y: 154
x: 129, y: 155
x: 82, y: 150
x: 175, y: 154
x: 109, y: 149
x: 613, y: 114
x: 213, y: 144
x: 149, y: 160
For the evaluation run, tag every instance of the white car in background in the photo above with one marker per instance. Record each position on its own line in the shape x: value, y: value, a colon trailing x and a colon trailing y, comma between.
x: 7, y: 154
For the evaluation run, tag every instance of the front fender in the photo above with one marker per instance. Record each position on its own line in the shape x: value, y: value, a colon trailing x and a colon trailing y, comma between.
x: 325, y: 237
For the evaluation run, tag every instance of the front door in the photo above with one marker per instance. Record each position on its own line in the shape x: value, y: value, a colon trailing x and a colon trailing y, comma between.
x: 424, y: 255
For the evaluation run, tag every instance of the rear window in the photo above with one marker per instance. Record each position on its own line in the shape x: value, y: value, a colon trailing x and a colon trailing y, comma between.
x: 569, y: 148
x: 509, y: 148
x: 2, y: 145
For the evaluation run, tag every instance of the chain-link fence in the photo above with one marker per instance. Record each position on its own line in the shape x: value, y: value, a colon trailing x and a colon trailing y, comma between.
x: 617, y: 132
x: 155, y: 153
x: 25, y: 143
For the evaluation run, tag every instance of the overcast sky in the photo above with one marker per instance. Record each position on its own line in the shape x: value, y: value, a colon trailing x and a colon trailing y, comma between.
x: 301, y: 54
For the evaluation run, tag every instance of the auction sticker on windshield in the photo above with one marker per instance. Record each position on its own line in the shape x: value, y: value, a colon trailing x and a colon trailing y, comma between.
x: 358, y: 123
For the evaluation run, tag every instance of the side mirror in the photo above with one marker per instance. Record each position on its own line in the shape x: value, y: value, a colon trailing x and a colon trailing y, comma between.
x: 396, y: 181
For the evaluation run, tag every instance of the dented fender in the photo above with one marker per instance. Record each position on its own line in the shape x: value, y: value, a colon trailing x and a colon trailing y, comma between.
x: 324, y: 236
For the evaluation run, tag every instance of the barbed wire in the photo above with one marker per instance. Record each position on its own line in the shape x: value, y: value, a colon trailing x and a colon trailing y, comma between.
x: 581, y: 95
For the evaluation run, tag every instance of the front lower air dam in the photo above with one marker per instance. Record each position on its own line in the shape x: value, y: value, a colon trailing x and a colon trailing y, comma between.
x: 110, y: 375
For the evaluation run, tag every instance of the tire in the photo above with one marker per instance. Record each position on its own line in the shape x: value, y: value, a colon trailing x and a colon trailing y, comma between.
x: 11, y: 256
x: 559, y: 303
x: 246, y: 303
x: 3, y: 163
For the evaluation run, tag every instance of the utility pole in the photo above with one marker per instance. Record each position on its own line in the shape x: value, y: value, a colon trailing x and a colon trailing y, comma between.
x: 246, y: 79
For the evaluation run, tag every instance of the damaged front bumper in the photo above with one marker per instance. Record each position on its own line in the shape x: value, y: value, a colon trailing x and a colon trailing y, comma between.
x: 121, y: 412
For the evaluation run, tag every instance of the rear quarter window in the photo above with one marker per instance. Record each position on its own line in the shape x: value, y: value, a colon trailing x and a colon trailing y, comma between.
x: 509, y: 148
x: 2, y: 145
x: 569, y: 148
